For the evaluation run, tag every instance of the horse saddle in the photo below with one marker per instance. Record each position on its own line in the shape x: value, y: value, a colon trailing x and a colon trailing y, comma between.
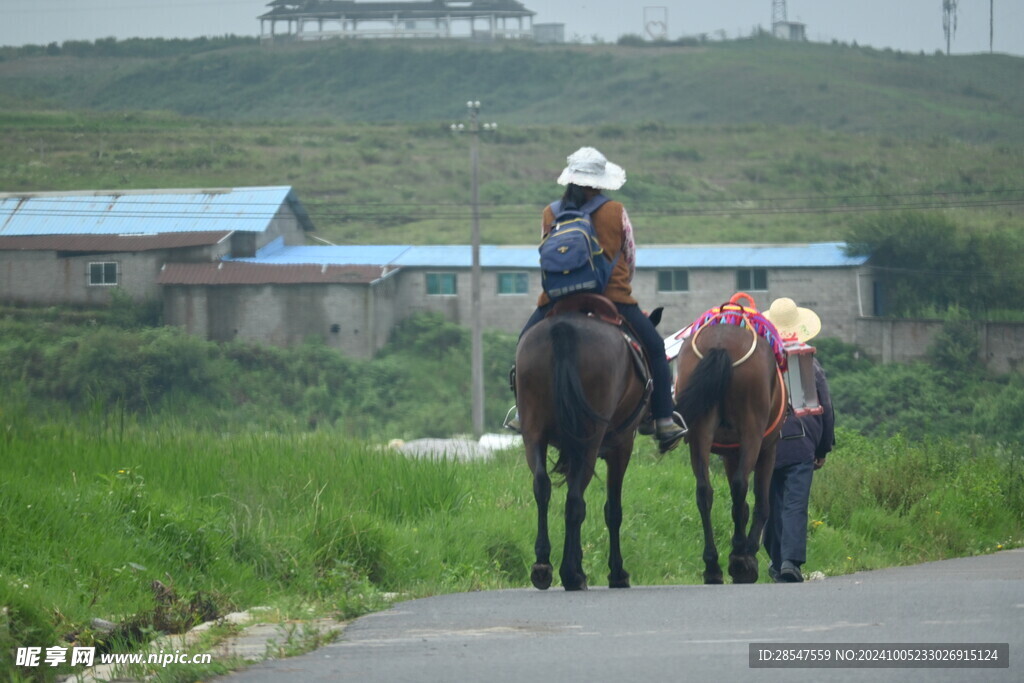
x: 602, y: 308
x: 594, y: 305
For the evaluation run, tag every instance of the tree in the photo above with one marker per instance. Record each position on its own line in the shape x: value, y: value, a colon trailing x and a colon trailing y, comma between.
x: 921, y: 260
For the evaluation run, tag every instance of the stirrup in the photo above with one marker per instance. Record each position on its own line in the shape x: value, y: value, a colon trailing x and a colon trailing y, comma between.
x: 669, y: 441
x: 511, y: 422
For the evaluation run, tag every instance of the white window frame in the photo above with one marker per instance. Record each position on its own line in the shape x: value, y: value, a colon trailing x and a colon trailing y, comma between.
x: 103, y: 273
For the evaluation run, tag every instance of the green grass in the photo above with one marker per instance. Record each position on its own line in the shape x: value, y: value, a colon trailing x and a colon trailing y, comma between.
x: 738, y: 82
x: 408, y: 183
x: 746, y: 141
x: 315, y: 523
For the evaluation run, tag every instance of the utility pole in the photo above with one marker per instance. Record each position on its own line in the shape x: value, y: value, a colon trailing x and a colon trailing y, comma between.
x: 477, y: 351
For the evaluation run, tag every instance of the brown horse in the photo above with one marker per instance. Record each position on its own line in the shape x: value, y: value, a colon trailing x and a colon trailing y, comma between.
x: 730, y: 393
x: 578, y: 389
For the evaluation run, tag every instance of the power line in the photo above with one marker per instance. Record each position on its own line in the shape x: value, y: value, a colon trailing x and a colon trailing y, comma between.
x: 391, y: 212
x: 130, y: 198
x: 170, y: 209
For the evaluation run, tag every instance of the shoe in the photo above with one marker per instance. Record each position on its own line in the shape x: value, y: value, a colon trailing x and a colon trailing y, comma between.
x: 773, y: 573
x: 512, y: 421
x: 668, y: 436
x: 790, y: 572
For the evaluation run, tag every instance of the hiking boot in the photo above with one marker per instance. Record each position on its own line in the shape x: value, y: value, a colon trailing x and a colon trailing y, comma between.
x: 512, y: 421
x: 668, y: 436
x: 789, y: 572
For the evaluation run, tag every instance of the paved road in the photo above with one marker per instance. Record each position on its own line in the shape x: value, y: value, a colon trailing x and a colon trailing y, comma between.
x: 677, y: 633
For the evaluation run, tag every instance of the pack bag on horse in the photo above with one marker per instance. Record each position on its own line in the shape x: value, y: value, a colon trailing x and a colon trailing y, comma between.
x: 586, y: 176
x: 730, y: 392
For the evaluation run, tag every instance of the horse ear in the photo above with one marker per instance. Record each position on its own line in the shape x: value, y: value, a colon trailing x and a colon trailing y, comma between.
x: 655, y: 315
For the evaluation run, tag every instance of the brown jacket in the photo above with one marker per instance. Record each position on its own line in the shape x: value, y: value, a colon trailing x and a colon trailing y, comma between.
x: 607, y: 222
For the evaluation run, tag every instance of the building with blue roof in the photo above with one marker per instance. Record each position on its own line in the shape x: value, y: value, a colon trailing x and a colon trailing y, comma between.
x: 77, y: 247
x: 683, y: 279
x: 235, y: 263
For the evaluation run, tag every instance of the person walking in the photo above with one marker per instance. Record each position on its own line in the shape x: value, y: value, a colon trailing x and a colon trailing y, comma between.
x: 802, y: 447
x: 588, y: 174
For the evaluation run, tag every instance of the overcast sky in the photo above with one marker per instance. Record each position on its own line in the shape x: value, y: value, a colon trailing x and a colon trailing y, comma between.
x: 909, y: 25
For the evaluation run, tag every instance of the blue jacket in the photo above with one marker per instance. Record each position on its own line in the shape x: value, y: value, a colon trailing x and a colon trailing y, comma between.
x: 818, y: 430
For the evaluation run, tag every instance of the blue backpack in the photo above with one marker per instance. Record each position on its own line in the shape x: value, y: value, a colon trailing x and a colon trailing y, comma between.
x: 571, y: 258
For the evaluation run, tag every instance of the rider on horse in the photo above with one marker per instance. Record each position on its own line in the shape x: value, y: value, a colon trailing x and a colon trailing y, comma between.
x: 588, y: 173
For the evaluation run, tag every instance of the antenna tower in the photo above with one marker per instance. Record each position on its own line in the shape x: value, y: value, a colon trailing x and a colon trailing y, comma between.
x: 778, y: 12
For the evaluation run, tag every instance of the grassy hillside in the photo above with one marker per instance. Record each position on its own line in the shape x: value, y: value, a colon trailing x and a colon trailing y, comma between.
x: 754, y: 140
x: 409, y: 182
x: 753, y: 81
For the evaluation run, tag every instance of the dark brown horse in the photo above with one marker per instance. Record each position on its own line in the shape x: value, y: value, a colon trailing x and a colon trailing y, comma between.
x: 577, y: 389
x: 730, y: 393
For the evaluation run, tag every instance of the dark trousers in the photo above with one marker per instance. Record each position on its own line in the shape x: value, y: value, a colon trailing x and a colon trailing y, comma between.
x: 785, y: 534
x: 654, y: 346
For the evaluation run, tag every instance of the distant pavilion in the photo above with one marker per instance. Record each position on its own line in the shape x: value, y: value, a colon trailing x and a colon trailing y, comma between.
x: 318, y: 20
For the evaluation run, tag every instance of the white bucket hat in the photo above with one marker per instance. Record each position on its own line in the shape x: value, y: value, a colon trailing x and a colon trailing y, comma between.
x: 589, y: 168
x: 792, y: 321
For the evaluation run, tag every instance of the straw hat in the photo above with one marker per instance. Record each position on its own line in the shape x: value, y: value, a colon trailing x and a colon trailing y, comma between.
x: 792, y: 321
x: 589, y: 168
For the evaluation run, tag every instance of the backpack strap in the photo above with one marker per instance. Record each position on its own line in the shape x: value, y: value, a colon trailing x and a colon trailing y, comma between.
x: 588, y: 208
x: 594, y: 203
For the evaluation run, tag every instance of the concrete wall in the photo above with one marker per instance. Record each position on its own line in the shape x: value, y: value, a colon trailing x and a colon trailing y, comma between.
x: 901, y: 341
x: 47, y: 277
x: 830, y: 292
x: 284, y: 224
x: 365, y: 314
x: 44, y: 278
x: 355, y: 319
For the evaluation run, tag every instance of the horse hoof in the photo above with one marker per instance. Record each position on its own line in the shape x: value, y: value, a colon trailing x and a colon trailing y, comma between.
x: 621, y: 581
x: 574, y: 581
x: 743, y: 569
x: 541, y: 576
x: 713, y: 574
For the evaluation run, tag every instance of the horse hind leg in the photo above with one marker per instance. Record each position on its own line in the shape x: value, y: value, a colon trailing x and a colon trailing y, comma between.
x: 762, y: 500
x: 617, y: 463
x: 742, y: 563
x: 705, y: 499
x: 571, y: 570
x: 541, y: 574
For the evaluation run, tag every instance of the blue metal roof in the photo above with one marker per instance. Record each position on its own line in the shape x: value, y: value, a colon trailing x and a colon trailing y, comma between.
x: 276, y: 253
x: 247, y: 209
x: 816, y: 255
x: 398, y: 255
x: 812, y: 255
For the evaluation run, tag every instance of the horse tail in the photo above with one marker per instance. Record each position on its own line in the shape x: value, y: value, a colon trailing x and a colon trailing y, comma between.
x: 572, y: 410
x: 707, y: 386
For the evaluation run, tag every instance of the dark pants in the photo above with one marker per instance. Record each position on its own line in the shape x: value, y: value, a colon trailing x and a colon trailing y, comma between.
x: 785, y: 534
x: 654, y: 346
